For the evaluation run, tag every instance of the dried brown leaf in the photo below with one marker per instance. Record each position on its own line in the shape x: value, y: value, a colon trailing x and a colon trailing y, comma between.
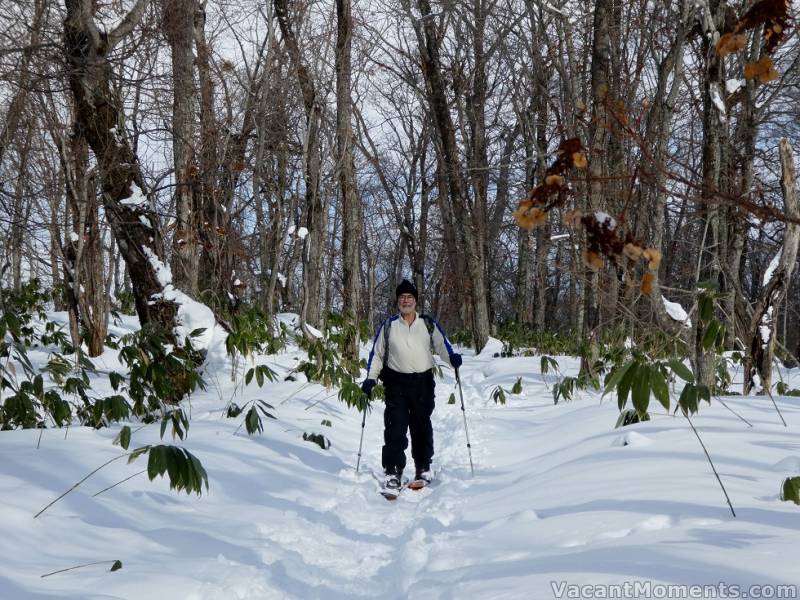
x: 653, y: 256
x: 632, y: 251
x: 763, y: 68
x: 592, y: 260
x: 572, y: 218
x: 529, y: 217
x: 554, y: 180
x: 730, y: 43
x: 647, y: 283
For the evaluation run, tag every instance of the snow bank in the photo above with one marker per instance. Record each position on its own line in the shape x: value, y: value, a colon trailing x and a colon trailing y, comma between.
x: 493, y: 346
x: 552, y: 500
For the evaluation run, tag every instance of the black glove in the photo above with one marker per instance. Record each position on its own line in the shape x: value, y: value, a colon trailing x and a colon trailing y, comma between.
x: 367, y: 386
x: 455, y: 360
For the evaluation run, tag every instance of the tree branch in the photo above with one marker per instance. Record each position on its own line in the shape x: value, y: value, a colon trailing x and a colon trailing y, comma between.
x: 127, y: 24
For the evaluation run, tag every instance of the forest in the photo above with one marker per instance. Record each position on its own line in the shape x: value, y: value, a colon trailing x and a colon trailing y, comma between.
x: 554, y: 173
x: 206, y: 208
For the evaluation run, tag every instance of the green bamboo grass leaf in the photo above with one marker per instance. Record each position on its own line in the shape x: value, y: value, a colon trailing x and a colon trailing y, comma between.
x: 616, y: 376
x: 624, y: 387
x: 658, y: 383
x: 124, y: 437
x: 681, y: 370
x: 641, y: 390
x: 710, y: 336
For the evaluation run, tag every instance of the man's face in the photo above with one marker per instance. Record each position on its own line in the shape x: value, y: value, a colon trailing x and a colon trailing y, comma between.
x: 406, y: 303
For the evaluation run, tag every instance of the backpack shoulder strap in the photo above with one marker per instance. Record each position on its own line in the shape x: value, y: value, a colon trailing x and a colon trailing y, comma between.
x: 386, y: 324
x: 429, y: 323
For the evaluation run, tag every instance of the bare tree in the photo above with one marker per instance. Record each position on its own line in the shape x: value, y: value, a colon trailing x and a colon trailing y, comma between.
x: 351, y: 204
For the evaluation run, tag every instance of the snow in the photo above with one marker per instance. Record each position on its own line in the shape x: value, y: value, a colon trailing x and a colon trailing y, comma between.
x: 493, y: 346
x: 716, y: 99
x: 193, y: 315
x: 291, y: 229
x: 631, y: 438
x: 137, y: 197
x: 765, y: 327
x: 676, y: 312
x: 560, y: 499
x: 603, y: 217
x: 773, y: 264
x: 163, y: 272
x: 73, y: 237
x: 292, y: 322
x: 282, y: 278
x: 145, y: 221
x: 302, y: 233
x: 734, y: 85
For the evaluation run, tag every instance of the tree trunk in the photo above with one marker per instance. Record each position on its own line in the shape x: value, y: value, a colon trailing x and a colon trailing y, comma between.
x: 713, y: 123
x: 19, y: 211
x: 315, y: 209
x: 601, y: 57
x: 16, y: 113
x: 351, y: 205
x: 99, y: 117
x: 179, y: 20
x: 652, y: 168
x: 468, y: 227
x: 763, y: 326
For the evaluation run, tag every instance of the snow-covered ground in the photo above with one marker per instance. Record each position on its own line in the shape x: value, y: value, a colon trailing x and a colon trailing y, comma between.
x: 559, y: 499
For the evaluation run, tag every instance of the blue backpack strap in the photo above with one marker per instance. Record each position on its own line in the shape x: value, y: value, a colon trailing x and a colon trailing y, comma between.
x: 386, y: 325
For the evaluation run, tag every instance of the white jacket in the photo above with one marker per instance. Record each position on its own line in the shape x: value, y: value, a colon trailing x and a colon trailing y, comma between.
x: 409, y: 346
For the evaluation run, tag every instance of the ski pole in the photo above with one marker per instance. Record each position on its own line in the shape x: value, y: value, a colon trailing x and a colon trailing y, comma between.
x: 361, y: 443
x: 466, y: 430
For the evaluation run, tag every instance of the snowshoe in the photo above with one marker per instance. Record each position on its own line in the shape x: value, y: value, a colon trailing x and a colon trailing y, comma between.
x: 392, y: 485
x: 422, y: 480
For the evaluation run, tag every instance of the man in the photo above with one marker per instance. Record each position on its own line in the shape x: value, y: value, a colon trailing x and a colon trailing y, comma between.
x: 405, y: 365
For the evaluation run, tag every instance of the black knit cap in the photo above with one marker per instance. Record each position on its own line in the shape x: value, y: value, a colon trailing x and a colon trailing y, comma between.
x: 406, y: 287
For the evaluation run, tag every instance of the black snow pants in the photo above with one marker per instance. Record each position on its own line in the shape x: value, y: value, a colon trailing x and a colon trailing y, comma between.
x: 409, y: 405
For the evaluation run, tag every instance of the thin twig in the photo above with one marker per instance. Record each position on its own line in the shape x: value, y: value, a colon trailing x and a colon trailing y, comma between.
x: 119, y: 483
x: 713, y: 468
x: 293, y: 394
x: 108, y: 462
x: 733, y: 411
x: 778, y: 410
x: 320, y: 400
x: 101, y: 562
